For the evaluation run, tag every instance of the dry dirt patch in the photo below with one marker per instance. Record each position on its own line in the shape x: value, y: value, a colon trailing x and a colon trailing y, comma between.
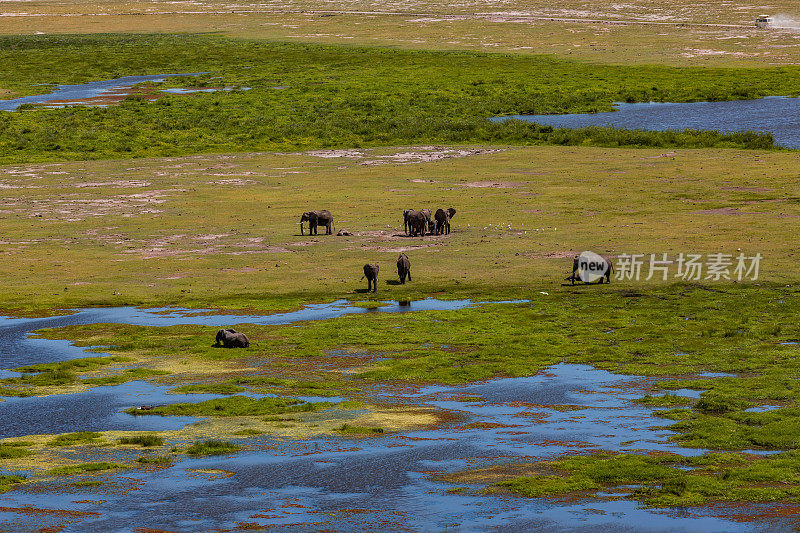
x: 420, y: 154
x: 492, y: 184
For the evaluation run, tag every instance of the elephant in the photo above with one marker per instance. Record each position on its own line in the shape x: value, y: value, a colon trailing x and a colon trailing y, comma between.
x: 317, y: 218
x: 417, y: 223
x: 403, y: 268
x: 406, y: 215
x: 428, y: 216
x: 230, y: 338
x: 576, y: 263
x: 371, y: 273
x: 442, y: 218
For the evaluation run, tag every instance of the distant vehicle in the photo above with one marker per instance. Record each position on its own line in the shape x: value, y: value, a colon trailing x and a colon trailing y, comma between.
x: 763, y: 21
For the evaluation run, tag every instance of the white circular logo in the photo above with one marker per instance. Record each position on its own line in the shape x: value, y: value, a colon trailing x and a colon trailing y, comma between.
x: 591, y: 266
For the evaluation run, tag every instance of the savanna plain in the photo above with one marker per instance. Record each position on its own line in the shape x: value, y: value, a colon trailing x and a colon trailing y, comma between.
x: 485, y: 393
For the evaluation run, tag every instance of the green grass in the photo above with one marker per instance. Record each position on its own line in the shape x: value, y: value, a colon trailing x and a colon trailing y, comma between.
x: 77, y: 438
x: 85, y: 364
x: 208, y: 388
x: 8, y: 451
x: 85, y: 468
x: 659, y: 483
x: 234, y: 406
x: 143, y: 440
x: 348, y: 429
x: 212, y: 447
x: 129, y: 374
x: 339, y: 96
x: 7, y: 482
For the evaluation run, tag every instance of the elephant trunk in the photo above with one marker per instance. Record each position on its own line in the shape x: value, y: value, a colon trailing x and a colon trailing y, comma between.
x: 301, y: 228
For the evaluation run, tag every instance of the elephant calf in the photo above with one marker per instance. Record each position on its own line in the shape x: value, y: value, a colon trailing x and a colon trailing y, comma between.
x: 230, y: 338
x: 403, y: 268
x: 371, y: 273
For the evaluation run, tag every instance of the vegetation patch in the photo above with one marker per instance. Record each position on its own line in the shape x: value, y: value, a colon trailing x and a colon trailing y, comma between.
x: 340, y: 96
x: 234, y: 406
x: 658, y: 482
x: 7, y: 482
x: 348, y: 429
x: 85, y: 468
x: 13, y: 452
x: 212, y: 447
x: 76, y: 439
x: 129, y: 374
x: 143, y: 440
x: 156, y: 460
x: 208, y: 388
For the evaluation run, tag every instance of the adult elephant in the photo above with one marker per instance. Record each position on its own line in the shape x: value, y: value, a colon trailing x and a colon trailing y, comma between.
x: 417, y: 224
x: 406, y: 215
x: 442, y: 218
x: 371, y: 273
x: 317, y: 218
x: 403, y: 268
x: 230, y: 338
x: 592, y: 266
x: 428, y: 219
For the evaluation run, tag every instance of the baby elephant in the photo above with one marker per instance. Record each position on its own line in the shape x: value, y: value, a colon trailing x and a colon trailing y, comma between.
x: 371, y: 273
x: 403, y: 268
x: 230, y: 338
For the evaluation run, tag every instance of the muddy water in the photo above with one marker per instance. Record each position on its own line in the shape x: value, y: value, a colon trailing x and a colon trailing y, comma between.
x: 776, y: 115
x: 363, y: 484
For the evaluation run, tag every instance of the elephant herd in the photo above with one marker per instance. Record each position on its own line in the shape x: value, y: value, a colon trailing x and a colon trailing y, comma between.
x: 416, y: 223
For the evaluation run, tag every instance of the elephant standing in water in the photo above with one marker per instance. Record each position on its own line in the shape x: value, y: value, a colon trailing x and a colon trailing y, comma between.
x: 371, y: 273
x: 442, y: 218
x: 230, y: 338
x: 403, y: 268
x: 317, y: 218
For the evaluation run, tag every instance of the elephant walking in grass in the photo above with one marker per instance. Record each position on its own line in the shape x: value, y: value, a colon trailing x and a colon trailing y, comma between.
x: 317, y: 218
x: 230, y: 338
x: 602, y: 268
x: 417, y: 224
x: 442, y: 218
x: 403, y: 268
x: 371, y: 273
x: 406, y: 216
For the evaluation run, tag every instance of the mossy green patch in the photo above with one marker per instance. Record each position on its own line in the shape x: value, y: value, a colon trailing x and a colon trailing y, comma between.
x: 234, y: 406
x: 208, y: 388
x: 85, y: 468
x: 143, y: 440
x: 13, y: 452
x: 212, y: 447
x: 348, y: 429
x: 7, y: 482
x: 129, y: 374
x: 156, y: 459
x: 76, y: 438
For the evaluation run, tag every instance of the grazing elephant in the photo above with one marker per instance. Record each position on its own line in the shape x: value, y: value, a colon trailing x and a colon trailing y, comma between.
x: 230, y: 338
x: 428, y: 216
x: 317, y: 218
x: 606, y: 271
x: 371, y: 273
x: 403, y: 268
x: 406, y: 215
x: 417, y: 223
x: 442, y: 218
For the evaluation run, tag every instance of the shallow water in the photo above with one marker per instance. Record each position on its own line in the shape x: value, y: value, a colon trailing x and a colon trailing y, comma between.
x: 360, y: 484
x: 779, y: 116
x: 17, y: 349
x: 92, y: 89
x: 342, y: 484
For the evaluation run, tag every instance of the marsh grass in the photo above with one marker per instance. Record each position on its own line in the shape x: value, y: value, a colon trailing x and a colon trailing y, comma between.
x: 156, y: 460
x: 341, y: 96
x: 13, y: 452
x: 212, y: 447
x: 145, y: 441
x: 85, y: 468
x: 234, y: 406
x: 75, y: 439
x: 348, y: 429
x: 7, y: 482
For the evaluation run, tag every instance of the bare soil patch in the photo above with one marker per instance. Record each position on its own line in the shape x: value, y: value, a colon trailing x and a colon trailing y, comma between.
x: 420, y: 154
x: 492, y: 184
